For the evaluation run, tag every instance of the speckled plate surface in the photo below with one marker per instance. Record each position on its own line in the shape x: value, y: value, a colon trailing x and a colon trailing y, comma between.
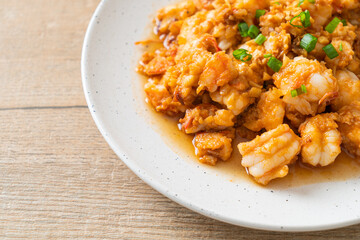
x: 112, y: 91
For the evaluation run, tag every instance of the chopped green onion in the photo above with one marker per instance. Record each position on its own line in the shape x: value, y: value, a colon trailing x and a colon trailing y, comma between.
x: 311, y: 1
x: 332, y: 25
x: 267, y: 55
x: 253, y: 31
x: 237, y: 53
x: 330, y: 51
x: 277, y: 3
x: 243, y: 29
x: 308, y: 42
x: 275, y: 64
x: 294, y: 93
x: 259, y: 13
x: 241, y: 54
x: 341, y: 47
x: 305, y: 18
x: 260, y: 39
x: 298, y: 91
x: 343, y: 22
x: 298, y: 26
x: 303, y: 88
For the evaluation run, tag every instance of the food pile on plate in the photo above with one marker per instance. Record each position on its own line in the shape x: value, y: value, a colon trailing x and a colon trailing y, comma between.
x: 282, y: 74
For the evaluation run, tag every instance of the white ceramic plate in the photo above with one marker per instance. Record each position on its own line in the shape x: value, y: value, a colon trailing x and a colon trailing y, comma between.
x: 113, y: 93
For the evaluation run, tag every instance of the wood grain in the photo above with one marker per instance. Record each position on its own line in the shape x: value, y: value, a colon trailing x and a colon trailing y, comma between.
x: 58, y: 177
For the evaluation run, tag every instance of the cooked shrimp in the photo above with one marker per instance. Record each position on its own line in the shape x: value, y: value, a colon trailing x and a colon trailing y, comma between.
x: 158, y: 95
x: 235, y: 100
x: 190, y: 61
x: 349, y: 89
x: 349, y: 127
x: 205, y: 22
x: 168, y: 17
x: 218, y: 71
x: 193, y: 27
x: 268, y: 113
x: 156, y: 63
x: 321, y: 86
x: 206, y: 117
x: 267, y: 156
x: 320, y: 140
x: 212, y: 146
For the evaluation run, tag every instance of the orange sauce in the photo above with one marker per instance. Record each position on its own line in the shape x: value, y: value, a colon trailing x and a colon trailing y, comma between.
x: 345, y: 167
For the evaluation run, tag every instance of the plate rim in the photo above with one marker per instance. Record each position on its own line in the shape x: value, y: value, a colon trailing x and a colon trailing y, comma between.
x: 157, y: 185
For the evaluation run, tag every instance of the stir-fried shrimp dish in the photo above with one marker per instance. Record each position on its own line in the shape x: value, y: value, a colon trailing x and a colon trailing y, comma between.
x: 283, y: 75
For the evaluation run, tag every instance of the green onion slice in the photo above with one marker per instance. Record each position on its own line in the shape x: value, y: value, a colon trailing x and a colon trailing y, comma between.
x: 332, y: 25
x: 344, y: 22
x: 341, y: 47
x: 298, y: 91
x: 243, y: 29
x: 275, y: 64
x: 330, y: 51
x: 259, y: 13
x: 298, y: 26
x: 303, y: 88
x: 308, y: 42
x: 267, y: 55
x: 305, y: 18
x: 260, y: 39
x: 294, y: 93
x: 237, y: 53
x: 253, y: 31
x: 241, y: 54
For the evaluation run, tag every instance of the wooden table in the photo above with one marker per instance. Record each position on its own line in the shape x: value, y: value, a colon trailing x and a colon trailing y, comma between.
x: 58, y: 177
